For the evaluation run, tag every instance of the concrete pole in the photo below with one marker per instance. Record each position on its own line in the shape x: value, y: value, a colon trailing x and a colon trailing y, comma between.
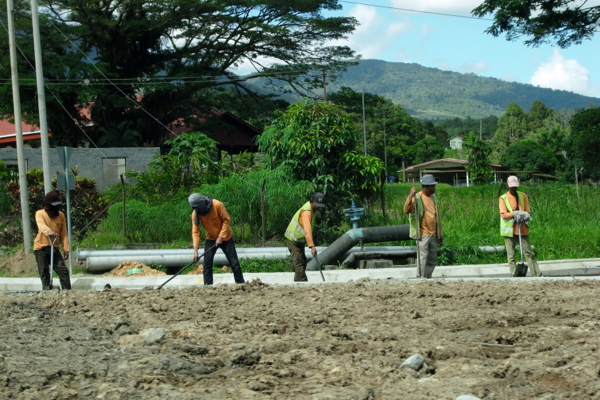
x: 19, y: 129
x: 39, y: 77
x: 364, y: 121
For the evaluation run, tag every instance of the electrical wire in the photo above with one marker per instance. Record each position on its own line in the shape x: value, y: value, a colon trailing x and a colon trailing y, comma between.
x: 416, y: 11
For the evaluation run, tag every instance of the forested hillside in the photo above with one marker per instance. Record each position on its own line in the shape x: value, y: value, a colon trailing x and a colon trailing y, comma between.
x: 431, y: 93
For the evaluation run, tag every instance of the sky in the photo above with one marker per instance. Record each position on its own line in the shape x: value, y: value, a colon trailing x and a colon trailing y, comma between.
x: 461, y: 44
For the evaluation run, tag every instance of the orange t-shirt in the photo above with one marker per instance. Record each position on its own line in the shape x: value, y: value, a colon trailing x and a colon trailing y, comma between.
x: 512, y: 200
x: 429, y: 222
x: 305, y: 221
x: 45, y: 224
x: 216, y: 222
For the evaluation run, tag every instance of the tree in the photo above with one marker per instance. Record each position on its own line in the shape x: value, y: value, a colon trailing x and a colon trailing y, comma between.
x: 318, y: 142
x: 424, y: 150
x: 382, y: 117
x: 144, y: 62
x: 585, y: 129
x: 478, y: 155
x: 529, y: 156
x: 512, y: 128
x: 564, y: 21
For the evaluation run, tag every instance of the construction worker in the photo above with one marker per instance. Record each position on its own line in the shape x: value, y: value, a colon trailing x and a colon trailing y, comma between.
x: 213, y: 216
x: 52, y: 227
x: 429, y: 231
x: 299, y: 234
x: 514, y: 211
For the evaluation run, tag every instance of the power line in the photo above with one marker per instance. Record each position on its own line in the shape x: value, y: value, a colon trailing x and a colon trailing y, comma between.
x: 416, y: 11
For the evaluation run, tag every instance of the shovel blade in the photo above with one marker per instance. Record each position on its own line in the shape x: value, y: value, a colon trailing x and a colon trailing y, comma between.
x: 521, y: 270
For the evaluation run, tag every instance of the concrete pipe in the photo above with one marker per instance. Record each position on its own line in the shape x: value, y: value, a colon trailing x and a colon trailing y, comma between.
x: 365, y: 235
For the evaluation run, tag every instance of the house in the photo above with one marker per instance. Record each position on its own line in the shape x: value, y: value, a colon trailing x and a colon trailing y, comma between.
x: 446, y: 170
x: 8, y: 133
x: 456, y: 141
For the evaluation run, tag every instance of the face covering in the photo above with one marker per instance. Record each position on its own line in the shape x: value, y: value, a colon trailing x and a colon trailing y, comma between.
x: 202, y: 205
x: 51, y: 210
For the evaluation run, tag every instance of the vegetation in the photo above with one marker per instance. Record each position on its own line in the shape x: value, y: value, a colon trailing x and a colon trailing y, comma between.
x: 565, y: 22
x: 585, y: 128
x: 430, y: 93
x: 164, y: 55
x: 478, y: 155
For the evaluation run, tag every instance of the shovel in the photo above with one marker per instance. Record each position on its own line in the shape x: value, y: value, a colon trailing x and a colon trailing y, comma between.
x: 52, y: 242
x: 521, y: 270
x: 184, y: 268
x: 319, y: 265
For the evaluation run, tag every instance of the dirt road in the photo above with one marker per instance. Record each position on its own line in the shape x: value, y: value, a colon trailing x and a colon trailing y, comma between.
x: 493, y: 340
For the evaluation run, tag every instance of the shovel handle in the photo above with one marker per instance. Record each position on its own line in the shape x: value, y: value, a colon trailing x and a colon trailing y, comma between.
x: 184, y: 268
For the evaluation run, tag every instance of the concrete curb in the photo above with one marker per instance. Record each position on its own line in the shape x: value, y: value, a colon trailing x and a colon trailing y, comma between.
x: 559, y: 269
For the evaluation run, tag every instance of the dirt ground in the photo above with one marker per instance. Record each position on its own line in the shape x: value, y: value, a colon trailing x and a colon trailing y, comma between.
x: 493, y: 340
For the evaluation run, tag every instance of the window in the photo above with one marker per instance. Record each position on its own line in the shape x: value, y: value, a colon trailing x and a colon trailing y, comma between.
x: 13, y: 166
x: 112, y: 168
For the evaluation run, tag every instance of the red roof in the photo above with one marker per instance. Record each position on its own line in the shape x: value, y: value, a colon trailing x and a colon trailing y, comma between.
x: 8, y: 132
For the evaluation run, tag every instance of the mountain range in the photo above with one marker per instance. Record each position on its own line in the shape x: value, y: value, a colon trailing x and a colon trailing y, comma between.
x: 433, y: 94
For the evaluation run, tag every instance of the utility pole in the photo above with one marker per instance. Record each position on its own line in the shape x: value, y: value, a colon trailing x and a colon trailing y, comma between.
x: 364, y: 121
x: 324, y: 87
x: 480, y: 129
x: 385, y: 145
x: 18, y: 129
x: 39, y: 77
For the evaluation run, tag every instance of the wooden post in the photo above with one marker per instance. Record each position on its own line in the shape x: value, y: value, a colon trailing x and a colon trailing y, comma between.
x: 576, y: 182
x: 262, y: 211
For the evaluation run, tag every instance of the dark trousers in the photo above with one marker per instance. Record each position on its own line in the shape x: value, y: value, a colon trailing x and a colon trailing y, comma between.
x: 299, y: 260
x: 228, y: 248
x: 42, y: 257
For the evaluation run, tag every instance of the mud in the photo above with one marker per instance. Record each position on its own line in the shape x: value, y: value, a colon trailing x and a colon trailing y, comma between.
x: 493, y: 340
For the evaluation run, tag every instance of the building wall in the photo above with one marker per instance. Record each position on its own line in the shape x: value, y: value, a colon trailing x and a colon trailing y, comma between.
x: 103, y: 165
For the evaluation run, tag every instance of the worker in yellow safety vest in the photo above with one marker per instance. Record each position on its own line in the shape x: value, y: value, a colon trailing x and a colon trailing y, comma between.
x: 515, y: 211
x: 299, y: 234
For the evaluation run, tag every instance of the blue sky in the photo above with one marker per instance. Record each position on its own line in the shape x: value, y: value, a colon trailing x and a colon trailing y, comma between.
x: 461, y: 45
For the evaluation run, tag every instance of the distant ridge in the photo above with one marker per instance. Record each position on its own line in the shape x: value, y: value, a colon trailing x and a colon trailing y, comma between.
x: 430, y: 93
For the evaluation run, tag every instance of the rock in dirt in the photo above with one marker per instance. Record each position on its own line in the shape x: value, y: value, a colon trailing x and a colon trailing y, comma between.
x: 467, y: 397
x: 414, y: 362
x: 153, y: 335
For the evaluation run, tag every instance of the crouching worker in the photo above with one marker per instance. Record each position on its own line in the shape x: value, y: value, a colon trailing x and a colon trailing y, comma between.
x: 299, y: 234
x: 213, y: 216
x: 52, y: 229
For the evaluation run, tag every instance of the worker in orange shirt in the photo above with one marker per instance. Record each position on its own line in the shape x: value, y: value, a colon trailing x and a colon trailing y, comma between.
x: 52, y: 226
x: 213, y: 216
x: 426, y: 227
x: 299, y: 234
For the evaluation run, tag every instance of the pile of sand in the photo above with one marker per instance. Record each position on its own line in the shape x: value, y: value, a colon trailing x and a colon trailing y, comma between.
x: 121, y: 270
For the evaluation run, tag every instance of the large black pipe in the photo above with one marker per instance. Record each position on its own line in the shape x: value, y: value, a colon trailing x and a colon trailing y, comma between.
x: 353, y: 236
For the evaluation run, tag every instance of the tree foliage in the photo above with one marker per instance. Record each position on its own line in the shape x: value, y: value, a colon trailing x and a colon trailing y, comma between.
x: 143, y: 62
x: 478, y: 155
x: 319, y: 142
x: 528, y: 155
x: 426, y: 149
x: 565, y: 22
x: 585, y: 129
x: 513, y: 126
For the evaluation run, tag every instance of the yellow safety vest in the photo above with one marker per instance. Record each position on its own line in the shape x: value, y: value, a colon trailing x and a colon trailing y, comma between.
x: 507, y: 225
x: 294, y: 231
x: 415, y: 231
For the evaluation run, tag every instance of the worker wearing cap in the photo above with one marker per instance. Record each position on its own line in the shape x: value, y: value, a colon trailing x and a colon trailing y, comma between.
x: 52, y: 226
x: 514, y: 205
x: 213, y: 216
x: 299, y: 234
x: 429, y: 231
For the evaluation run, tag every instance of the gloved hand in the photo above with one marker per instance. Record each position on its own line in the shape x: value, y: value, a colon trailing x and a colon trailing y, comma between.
x: 521, y: 216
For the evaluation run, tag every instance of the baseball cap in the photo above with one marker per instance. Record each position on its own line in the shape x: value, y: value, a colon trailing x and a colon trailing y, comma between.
x: 52, y: 198
x: 428, y: 180
x: 512, y: 181
x: 318, y: 199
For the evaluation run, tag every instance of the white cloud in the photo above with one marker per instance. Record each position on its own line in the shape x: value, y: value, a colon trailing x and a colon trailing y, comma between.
x: 462, y: 7
x: 564, y: 74
x: 475, y: 67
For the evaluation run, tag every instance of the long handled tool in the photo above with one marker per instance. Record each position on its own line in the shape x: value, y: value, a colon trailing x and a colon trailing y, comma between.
x: 184, y: 268
x: 51, y: 266
x: 418, y: 230
x: 521, y: 270
x: 319, y: 265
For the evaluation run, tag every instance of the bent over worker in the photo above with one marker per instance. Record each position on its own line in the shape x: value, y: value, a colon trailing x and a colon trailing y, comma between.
x: 213, y: 216
x: 52, y: 226
x: 426, y: 228
x: 299, y: 234
x: 514, y: 205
